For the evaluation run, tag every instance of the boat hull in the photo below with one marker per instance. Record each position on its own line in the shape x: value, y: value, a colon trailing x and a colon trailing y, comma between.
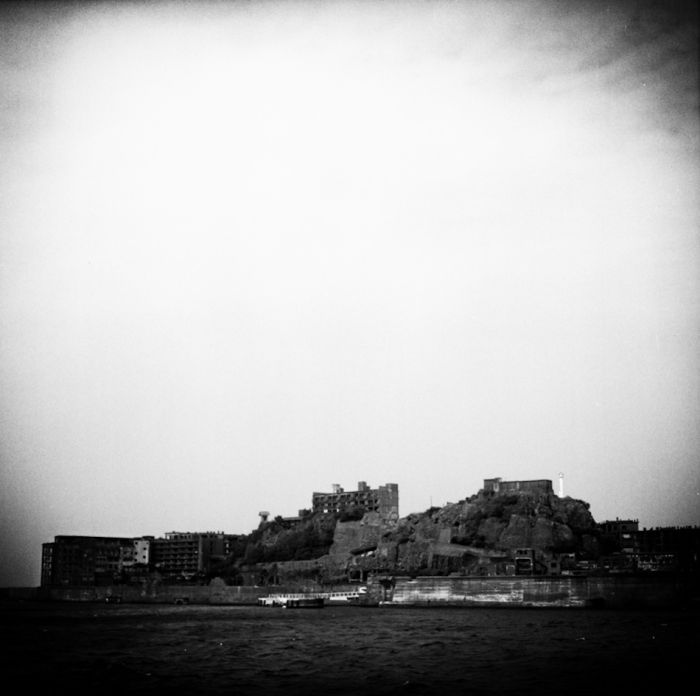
x: 305, y: 603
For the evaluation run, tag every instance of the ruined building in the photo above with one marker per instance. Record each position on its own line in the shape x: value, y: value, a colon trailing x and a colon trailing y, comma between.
x: 383, y: 500
x: 189, y: 553
x: 87, y: 560
x: 498, y: 486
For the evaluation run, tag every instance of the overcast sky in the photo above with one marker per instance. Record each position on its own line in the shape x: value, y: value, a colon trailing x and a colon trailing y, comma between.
x: 249, y: 250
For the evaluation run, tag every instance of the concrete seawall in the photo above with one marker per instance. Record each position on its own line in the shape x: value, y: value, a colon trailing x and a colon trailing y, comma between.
x: 628, y: 591
x: 520, y: 591
x: 217, y: 592
x: 161, y: 594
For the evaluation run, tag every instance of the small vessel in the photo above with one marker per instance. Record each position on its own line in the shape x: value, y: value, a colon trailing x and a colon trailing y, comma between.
x: 312, y: 599
x: 270, y: 601
x: 296, y: 601
x: 346, y: 597
x: 305, y: 603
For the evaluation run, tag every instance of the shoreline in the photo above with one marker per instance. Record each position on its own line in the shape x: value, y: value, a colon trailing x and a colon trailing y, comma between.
x: 570, y: 592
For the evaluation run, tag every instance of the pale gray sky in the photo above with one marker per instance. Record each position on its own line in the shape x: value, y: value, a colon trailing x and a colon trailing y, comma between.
x: 249, y: 250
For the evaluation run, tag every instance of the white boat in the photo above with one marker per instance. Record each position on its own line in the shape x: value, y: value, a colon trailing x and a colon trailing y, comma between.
x: 312, y: 599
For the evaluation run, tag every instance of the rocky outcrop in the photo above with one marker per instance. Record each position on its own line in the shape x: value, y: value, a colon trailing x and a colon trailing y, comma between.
x: 358, y: 536
x: 473, y: 536
x: 483, y: 530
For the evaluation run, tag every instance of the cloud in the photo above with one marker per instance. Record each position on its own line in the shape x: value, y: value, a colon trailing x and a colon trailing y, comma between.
x: 305, y: 243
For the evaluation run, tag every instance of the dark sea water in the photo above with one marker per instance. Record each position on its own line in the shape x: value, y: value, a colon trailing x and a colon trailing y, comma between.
x: 148, y: 649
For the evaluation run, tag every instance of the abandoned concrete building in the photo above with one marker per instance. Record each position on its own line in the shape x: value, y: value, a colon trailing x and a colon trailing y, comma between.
x: 498, y: 486
x: 384, y: 500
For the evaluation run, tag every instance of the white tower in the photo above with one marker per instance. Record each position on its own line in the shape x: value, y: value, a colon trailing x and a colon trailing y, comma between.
x: 561, y: 485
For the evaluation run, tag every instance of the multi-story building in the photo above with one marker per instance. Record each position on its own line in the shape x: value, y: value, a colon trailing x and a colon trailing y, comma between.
x: 656, y: 549
x: 677, y: 547
x: 498, y: 486
x: 621, y: 533
x: 138, y: 554
x: 78, y: 560
x: 384, y: 500
x: 81, y: 560
x: 186, y: 554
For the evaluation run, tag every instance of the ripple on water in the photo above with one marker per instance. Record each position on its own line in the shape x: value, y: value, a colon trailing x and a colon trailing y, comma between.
x: 339, y: 651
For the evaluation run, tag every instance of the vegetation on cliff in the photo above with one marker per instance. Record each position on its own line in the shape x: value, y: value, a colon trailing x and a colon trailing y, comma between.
x: 463, y: 537
x: 542, y: 521
x: 281, y: 541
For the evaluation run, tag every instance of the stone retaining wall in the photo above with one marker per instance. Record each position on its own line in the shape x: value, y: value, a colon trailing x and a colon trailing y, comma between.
x: 622, y: 591
x: 519, y: 591
x: 217, y: 592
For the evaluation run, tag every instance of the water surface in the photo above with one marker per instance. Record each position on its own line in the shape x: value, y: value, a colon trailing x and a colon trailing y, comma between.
x: 148, y: 649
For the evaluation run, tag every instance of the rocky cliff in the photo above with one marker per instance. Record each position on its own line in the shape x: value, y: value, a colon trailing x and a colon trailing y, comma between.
x: 478, y: 535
